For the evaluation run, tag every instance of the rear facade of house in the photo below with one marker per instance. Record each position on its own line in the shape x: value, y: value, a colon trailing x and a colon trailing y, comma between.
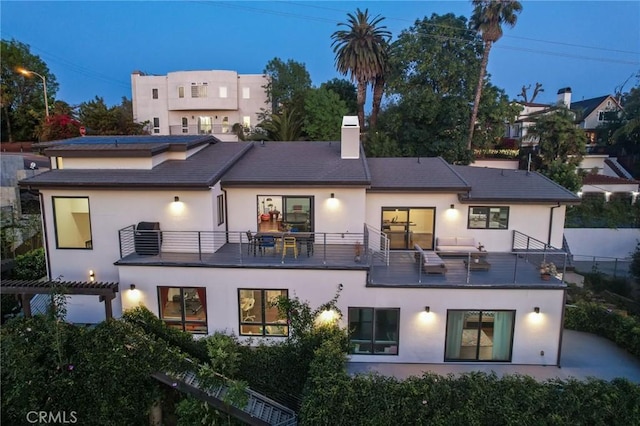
x: 207, y: 234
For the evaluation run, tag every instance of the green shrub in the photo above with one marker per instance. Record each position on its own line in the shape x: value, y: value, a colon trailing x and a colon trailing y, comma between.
x: 597, y: 319
x: 30, y: 266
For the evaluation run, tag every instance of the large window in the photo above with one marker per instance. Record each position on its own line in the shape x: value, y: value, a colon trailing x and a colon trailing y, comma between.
x: 156, y: 125
x: 181, y: 91
x: 204, y: 125
x: 488, y: 218
x: 259, y: 313
x: 374, y: 331
x: 154, y: 93
x: 184, y: 308
x: 72, y: 222
x: 185, y: 125
x: 479, y: 335
x: 278, y: 212
x: 407, y: 226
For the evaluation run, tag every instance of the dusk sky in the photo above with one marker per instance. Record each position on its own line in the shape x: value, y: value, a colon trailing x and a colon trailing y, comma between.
x: 92, y: 47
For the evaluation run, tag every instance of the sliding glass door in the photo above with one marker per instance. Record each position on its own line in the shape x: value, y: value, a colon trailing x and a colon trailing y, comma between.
x: 479, y: 335
x: 406, y: 226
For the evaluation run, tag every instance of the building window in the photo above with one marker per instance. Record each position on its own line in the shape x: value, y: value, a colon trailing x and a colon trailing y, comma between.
x: 185, y: 125
x: 294, y: 213
x: 374, y: 331
x: 204, y: 125
x: 181, y: 92
x: 259, y: 314
x: 246, y: 93
x: 225, y: 124
x: 220, y: 200
x: 488, y: 218
x: 198, y: 90
x: 72, y: 222
x: 154, y: 93
x: 156, y: 125
x: 479, y: 335
x: 223, y: 91
x: 246, y: 122
x: 184, y: 308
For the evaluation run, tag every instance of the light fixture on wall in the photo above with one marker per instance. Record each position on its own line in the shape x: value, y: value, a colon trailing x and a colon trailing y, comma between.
x: 132, y: 287
x: 452, y: 206
x: 536, y: 309
x: 333, y: 195
x: 92, y: 275
x: 176, y: 199
x: 427, y: 309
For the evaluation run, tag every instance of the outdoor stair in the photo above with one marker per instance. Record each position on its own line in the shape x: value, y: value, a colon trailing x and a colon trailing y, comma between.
x: 260, y: 410
x: 536, y: 251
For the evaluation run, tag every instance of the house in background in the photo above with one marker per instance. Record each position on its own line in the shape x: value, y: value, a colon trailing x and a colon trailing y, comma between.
x: 590, y: 114
x: 433, y: 262
x: 198, y: 102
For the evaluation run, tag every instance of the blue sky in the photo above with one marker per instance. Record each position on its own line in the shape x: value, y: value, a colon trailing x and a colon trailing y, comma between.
x: 92, y: 47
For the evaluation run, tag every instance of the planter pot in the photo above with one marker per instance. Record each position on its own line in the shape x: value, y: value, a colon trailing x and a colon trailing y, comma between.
x: 265, y: 217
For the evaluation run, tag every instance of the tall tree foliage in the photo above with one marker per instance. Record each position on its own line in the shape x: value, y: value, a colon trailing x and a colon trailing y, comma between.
x: 323, y: 112
x: 361, y: 52
x: 347, y: 92
x: 22, y: 97
x: 288, y: 84
x: 487, y: 18
x: 283, y: 126
x: 432, y: 65
x: 99, y: 119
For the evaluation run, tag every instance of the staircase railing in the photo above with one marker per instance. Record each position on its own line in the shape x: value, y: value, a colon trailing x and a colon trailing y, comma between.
x: 377, y: 245
x: 538, y: 252
x: 259, y: 410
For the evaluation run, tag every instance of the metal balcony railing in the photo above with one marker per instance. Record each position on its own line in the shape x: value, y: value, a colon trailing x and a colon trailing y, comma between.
x: 193, y: 129
x: 313, y: 249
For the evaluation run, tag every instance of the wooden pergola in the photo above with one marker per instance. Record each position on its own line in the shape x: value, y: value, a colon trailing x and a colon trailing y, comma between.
x: 25, y: 290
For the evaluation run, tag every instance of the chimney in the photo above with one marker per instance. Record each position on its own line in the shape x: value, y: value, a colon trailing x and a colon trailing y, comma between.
x: 350, y: 137
x: 564, y: 97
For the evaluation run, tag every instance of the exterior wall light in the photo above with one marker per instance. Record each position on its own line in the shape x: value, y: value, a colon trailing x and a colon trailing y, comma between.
x: 333, y: 195
x: 452, y: 206
x: 92, y: 275
x: 176, y: 199
x: 132, y: 286
x: 427, y: 309
x: 536, y: 309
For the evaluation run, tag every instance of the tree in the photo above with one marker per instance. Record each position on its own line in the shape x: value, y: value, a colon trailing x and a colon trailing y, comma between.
x: 22, y: 97
x: 432, y: 65
x: 559, y: 139
x: 323, y: 112
x: 487, y: 18
x: 288, y: 84
x: 360, y: 51
x: 99, y: 119
x: 284, y: 126
x: 628, y: 135
x: 347, y: 92
x: 536, y: 91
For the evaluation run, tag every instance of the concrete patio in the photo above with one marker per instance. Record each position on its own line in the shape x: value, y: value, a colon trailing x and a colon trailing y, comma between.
x: 583, y: 355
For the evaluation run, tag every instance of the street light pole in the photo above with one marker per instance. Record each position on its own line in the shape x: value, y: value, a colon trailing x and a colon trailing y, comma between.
x: 44, y: 86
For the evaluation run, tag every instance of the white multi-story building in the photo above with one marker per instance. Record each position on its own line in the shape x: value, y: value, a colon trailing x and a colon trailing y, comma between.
x: 198, y: 102
x: 434, y: 262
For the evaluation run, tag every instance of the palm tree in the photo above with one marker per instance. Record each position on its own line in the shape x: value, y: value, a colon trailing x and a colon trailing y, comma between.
x: 360, y: 50
x: 378, y: 87
x: 488, y: 17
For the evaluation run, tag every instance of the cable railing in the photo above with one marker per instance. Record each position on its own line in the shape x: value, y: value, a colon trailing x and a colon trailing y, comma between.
x: 221, y: 247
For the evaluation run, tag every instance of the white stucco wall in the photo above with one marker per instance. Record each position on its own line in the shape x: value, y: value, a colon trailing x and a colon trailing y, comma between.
x: 422, y: 335
x: 111, y: 211
x: 344, y: 213
x: 532, y: 220
x: 590, y: 242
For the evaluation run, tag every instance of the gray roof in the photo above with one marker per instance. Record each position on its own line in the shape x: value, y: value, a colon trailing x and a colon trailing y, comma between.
x: 199, y: 171
x: 512, y: 186
x: 431, y: 174
x: 301, y: 164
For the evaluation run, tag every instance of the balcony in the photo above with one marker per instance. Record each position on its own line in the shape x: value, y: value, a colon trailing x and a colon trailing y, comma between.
x: 194, y: 129
x: 398, y: 268
x: 233, y: 249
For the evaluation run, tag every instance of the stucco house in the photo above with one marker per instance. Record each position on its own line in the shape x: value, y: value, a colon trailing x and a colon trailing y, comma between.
x: 433, y: 262
x: 589, y: 113
x: 198, y: 102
